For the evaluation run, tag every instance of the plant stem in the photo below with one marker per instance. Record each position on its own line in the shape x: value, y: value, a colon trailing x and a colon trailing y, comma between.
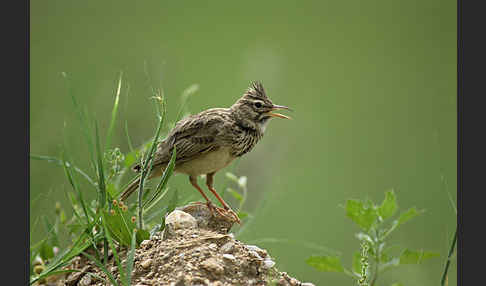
x: 377, y: 262
x: 451, y: 250
x: 139, y: 200
x: 375, y: 273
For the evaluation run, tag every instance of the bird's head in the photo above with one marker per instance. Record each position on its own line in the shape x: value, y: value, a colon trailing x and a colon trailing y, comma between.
x: 256, y: 108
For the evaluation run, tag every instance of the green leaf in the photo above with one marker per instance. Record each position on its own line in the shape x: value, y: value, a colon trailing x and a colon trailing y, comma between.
x: 113, y: 114
x: 357, y: 262
x: 404, y: 217
x: 364, y: 216
x: 232, y: 177
x: 397, y: 284
x: 119, y: 225
x: 142, y: 235
x: 326, y: 263
x: 101, y: 174
x: 235, y: 194
x: 388, y: 206
x: 111, y: 189
x: 130, y: 159
x: 46, y: 251
x: 409, y: 214
x: 112, y: 245
x: 242, y: 215
x: 416, y: 257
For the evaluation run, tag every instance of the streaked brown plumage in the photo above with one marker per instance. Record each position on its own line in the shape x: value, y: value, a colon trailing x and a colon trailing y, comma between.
x: 208, y: 141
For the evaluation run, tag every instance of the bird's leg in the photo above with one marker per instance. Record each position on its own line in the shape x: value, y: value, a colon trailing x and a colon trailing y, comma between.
x: 210, y: 205
x: 209, y: 183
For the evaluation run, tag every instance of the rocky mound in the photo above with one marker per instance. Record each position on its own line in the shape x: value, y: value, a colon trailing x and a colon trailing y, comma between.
x: 195, y: 248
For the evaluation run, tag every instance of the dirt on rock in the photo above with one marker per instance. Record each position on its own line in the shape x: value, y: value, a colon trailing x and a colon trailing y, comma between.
x: 188, y: 254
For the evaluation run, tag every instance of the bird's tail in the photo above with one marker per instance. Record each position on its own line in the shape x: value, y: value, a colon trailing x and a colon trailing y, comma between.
x: 130, y: 189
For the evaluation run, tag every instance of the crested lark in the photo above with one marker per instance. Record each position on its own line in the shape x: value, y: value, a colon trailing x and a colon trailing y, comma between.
x: 209, y: 141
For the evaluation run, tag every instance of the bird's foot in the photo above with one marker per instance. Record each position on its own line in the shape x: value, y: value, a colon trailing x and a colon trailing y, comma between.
x: 233, y: 214
x: 225, y: 212
x: 212, y: 208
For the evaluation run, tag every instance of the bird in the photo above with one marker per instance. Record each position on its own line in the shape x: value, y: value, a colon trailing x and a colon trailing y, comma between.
x: 210, y: 140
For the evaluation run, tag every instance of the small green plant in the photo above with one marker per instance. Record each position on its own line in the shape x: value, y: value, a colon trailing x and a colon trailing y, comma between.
x: 376, y: 256
x: 241, y: 198
x: 104, y: 223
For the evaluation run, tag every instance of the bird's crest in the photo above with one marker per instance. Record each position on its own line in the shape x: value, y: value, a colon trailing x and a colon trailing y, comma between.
x: 256, y: 90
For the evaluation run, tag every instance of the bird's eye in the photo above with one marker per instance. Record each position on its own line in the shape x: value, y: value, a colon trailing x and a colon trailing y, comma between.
x: 258, y: 104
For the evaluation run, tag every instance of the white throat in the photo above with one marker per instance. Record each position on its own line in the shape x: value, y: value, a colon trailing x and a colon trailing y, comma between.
x: 263, y: 125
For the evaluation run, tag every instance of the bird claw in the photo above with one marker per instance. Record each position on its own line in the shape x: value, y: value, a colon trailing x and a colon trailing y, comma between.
x: 223, y: 212
x: 234, y: 215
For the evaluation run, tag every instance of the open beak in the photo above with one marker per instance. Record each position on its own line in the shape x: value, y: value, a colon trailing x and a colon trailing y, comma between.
x: 278, y: 107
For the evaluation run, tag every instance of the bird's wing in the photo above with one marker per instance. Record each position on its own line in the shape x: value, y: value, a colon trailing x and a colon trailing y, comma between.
x: 195, y: 135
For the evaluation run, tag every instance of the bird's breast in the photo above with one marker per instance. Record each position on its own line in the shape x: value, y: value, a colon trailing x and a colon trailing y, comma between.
x: 207, y: 163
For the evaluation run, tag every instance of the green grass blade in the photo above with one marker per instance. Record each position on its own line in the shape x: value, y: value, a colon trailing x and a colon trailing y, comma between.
x: 102, y: 267
x: 82, y: 119
x: 63, y: 258
x: 113, y: 113
x: 165, y: 177
x: 57, y: 161
x: 87, y: 211
x: 74, y: 185
x: 130, y: 259
x: 153, y: 202
x: 126, y: 185
x: 130, y: 146
x: 101, y: 175
x: 147, y: 165
x: 156, y: 213
x: 448, y: 262
x: 64, y: 271
x: 192, y: 89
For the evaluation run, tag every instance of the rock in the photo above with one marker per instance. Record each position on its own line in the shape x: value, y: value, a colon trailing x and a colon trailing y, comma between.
x: 146, y: 244
x: 268, y: 263
x: 191, y: 256
x: 255, y: 255
x: 229, y: 257
x: 146, y: 263
x: 85, y: 281
x: 213, y: 267
x: 178, y: 220
x: 206, y: 220
x: 227, y: 247
x: 261, y: 252
x: 76, y: 276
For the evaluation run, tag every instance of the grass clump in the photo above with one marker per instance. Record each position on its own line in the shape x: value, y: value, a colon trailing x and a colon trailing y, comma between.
x: 104, y: 224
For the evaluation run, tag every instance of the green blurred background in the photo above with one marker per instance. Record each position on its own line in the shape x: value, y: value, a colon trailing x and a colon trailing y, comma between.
x: 372, y: 83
